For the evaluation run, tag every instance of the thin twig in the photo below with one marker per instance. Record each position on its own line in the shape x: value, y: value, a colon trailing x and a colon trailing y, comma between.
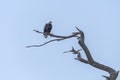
x: 44, y: 43
x: 78, y: 29
x: 56, y: 36
x: 79, y: 58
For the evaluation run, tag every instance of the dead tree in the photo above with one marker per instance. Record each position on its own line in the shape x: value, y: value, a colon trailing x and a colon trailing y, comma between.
x: 113, y: 74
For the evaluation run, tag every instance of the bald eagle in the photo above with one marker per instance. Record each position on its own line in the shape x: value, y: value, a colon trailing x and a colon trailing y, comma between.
x: 47, y: 29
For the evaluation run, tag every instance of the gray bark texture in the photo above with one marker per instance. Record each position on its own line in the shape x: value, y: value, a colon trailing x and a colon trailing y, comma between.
x: 113, y: 74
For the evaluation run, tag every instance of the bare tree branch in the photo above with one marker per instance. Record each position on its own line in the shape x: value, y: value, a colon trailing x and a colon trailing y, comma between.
x: 59, y: 38
x: 44, y: 43
x: 113, y: 74
x: 111, y: 71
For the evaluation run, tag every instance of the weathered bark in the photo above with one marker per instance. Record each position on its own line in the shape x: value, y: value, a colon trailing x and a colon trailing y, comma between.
x: 92, y: 62
x: 113, y: 74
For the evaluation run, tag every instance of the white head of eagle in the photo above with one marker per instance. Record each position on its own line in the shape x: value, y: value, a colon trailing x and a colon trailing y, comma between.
x: 47, y: 29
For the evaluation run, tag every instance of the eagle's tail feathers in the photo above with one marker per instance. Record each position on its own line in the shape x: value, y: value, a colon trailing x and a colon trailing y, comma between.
x: 45, y: 35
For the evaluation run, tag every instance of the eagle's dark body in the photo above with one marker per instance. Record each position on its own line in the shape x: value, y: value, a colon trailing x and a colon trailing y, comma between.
x: 47, y: 29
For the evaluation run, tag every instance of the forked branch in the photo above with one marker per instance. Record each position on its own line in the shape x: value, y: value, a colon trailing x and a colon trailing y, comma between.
x: 59, y: 38
x: 80, y: 36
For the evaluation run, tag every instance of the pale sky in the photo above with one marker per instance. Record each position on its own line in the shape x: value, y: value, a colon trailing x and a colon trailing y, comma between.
x: 98, y: 19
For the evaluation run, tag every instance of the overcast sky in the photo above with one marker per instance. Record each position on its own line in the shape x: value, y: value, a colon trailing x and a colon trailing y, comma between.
x: 98, y: 19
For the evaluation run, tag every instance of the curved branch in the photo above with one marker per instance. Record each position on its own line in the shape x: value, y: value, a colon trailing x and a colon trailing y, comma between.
x: 59, y: 38
x: 44, y: 43
x: 111, y: 71
x: 80, y: 36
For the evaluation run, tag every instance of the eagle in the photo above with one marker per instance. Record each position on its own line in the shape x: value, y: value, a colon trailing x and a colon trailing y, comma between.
x: 47, y: 29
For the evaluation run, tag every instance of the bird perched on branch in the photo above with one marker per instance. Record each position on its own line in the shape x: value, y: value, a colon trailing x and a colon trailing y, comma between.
x: 47, y: 29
